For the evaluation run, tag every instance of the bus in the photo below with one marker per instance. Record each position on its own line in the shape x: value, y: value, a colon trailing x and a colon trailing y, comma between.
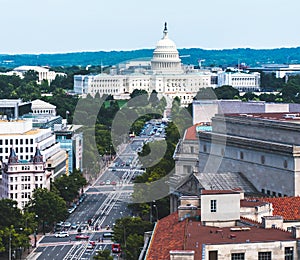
x: 116, y: 248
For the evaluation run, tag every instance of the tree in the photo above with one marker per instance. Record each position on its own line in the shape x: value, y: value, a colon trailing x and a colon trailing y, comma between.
x: 205, y: 93
x: 48, y: 207
x: 103, y: 255
x: 10, y: 213
x: 138, y: 92
x: 69, y: 186
x: 30, y: 76
x: 153, y: 99
x: 129, y: 232
x: 226, y: 92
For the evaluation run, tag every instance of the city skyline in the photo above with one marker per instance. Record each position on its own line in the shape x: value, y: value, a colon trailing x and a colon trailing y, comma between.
x: 69, y: 26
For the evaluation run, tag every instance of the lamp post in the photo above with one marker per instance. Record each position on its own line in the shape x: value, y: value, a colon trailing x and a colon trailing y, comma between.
x: 9, y: 243
x: 156, y: 212
x: 9, y: 246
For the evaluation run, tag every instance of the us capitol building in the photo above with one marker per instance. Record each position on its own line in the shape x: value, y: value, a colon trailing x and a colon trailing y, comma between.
x: 164, y: 73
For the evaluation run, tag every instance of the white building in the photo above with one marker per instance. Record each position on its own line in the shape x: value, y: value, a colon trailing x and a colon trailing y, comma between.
x: 44, y: 73
x: 41, y: 107
x: 167, y: 76
x: 21, y: 136
x: 20, y: 178
x: 242, y: 81
x: 209, y: 227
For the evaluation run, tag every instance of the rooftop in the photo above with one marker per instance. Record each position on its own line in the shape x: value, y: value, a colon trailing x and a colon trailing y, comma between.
x: 216, y: 192
x: 288, y: 117
x: 225, y: 181
x: 287, y: 207
x: 170, y: 234
x: 191, y: 133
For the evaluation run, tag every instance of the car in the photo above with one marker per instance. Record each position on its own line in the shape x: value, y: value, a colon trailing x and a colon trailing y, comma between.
x: 107, y: 235
x: 67, y: 224
x: 74, y: 226
x: 91, y: 245
x: 113, y: 183
x: 82, y: 236
x: 102, y: 183
x: 62, y: 234
x: 108, y: 182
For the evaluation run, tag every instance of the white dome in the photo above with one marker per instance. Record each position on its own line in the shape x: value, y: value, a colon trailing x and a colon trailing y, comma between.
x: 165, y: 56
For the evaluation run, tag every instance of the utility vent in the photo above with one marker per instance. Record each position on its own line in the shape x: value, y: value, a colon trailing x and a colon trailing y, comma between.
x: 240, y: 229
x: 291, y: 115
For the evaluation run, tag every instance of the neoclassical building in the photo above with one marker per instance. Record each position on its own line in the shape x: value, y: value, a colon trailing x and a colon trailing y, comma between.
x: 264, y: 147
x: 167, y: 76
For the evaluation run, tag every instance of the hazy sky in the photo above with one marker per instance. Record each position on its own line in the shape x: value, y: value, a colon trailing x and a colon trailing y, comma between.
x: 57, y: 26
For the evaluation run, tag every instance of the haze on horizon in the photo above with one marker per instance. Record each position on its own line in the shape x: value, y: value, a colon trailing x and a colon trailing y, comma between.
x: 63, y: 26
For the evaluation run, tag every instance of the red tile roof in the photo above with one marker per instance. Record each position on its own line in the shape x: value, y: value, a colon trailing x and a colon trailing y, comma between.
x: 208, y: 192
x: 191, y: 235
x: 252, y: 203
x: 168, y: 235
x: 191, y: 133
x: 197, y: 235
x: 287, y: 207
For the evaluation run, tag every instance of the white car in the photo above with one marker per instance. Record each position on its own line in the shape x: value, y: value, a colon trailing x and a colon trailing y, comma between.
x: 62, y: 234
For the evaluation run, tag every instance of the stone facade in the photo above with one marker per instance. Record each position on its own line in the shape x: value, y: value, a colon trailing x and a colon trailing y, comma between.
x: 265, y: 151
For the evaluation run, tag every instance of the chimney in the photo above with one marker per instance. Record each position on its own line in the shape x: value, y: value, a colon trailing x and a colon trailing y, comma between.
x: 272, y: 221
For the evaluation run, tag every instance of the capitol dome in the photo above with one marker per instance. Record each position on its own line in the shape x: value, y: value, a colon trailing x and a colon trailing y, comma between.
x: 165, y: 56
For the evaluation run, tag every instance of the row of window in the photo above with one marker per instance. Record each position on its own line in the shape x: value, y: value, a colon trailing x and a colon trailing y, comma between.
x: 22, y: 150
x: 25, y: 178
x: 47, y: 111
x: 24, y: 195
x: 15, y: 141
x: 288, y: 255
x: 273, y: 193
x: 242, y: 156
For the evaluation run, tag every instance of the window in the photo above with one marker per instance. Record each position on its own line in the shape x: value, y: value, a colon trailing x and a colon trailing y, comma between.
x: 285, y: 164
x: 264, y: 255
x: 213, y: 206
x: 241, y: 155
x: 237, y: 256
x: 262, y: 159
x: 222, y: 152
x: 213, y: 255
x: 288, y: 253
x: 204, y: 148
x: 192, y: 149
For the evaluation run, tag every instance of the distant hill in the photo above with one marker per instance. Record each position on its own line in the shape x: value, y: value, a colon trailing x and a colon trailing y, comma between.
x: 227, y: 57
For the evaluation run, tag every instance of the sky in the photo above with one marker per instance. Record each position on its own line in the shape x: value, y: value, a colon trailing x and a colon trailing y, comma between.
x: 61, y: 26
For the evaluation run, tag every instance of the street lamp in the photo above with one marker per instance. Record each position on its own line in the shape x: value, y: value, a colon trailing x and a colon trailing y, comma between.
x: 156, y: 211
x: 9, y: 243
